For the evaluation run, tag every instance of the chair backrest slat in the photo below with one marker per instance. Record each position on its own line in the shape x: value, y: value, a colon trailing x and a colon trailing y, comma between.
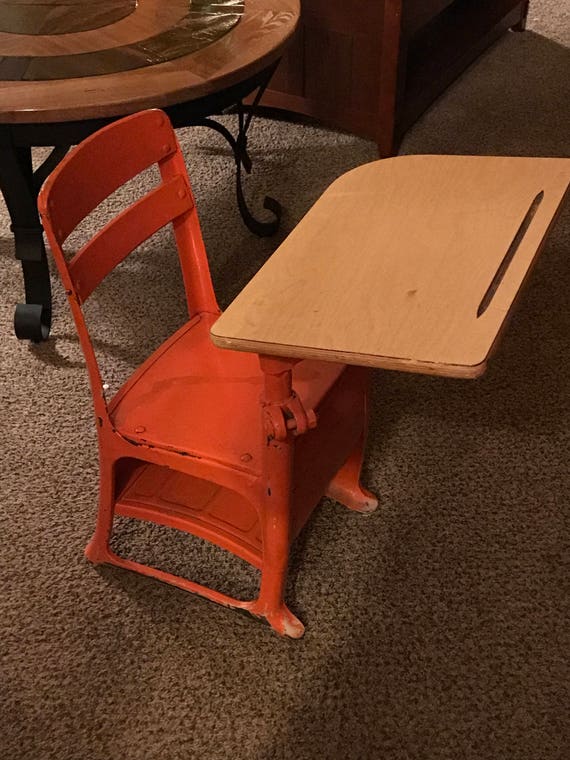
x: 92, y: 172
x: 125, y: 232
x: 100, y: 166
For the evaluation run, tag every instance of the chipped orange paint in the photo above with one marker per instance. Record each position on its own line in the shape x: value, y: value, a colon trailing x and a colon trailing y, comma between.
x: 228, y: 446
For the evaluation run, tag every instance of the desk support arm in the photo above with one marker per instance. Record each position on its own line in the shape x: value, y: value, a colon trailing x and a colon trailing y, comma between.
x: 283, y: 411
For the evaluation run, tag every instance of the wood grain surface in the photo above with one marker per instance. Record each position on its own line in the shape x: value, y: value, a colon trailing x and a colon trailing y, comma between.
x: 148, y: 18
x: 410, y: 263
x: 57, y: 17
x: 257, y: 41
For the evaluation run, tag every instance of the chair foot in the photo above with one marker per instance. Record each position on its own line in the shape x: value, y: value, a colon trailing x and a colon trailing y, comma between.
x: 281, y: 620
x: 352, y: 495
x: 345, y: 486
x: 97, y: 553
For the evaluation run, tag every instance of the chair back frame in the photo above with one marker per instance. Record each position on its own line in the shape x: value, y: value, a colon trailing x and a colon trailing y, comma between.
x: 110, y: 158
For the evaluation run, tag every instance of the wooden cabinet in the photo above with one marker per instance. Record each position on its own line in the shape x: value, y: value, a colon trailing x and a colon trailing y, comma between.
x: 372, y: 67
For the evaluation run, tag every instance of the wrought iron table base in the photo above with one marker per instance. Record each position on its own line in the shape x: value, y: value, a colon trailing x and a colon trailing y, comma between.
x: 20, y: 185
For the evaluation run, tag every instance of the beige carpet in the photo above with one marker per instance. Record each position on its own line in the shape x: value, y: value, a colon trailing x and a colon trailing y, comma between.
x: 436, y: 628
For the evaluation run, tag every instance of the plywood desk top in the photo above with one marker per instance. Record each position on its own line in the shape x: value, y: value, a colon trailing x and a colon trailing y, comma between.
x: 410, y: 263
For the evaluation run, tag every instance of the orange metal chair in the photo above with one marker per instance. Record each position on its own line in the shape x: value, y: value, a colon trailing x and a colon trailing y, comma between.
x: 221, y: 444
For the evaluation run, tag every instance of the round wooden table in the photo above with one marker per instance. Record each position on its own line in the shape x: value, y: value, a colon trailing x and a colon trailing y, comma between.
x: 68, y: 68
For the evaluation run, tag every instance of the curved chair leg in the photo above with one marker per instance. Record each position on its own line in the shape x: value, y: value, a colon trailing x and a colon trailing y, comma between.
x: 276, y: 532
x: 345, y: 487
x: 284, y: 622
x: 97, y: 550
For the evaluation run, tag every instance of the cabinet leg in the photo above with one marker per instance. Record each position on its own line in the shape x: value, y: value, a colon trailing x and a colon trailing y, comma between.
x: 521, y: 26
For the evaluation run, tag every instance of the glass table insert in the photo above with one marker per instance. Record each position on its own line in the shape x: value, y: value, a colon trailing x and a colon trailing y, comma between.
x: 199, y: 24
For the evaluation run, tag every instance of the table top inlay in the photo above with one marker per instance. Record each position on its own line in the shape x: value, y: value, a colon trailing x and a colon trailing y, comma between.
x: 147, y: 59
x: 61, y: 16
x: 199, y: 24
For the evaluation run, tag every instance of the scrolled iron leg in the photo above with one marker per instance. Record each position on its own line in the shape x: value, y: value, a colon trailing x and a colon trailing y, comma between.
x: 242, y: 159
x: 261, y: 229
x: 32, y: 320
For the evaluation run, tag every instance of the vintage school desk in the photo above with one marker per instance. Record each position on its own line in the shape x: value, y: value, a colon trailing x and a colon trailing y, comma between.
x: 409, y: 263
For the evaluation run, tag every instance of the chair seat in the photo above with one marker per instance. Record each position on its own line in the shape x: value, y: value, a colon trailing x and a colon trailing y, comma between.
x: 194, y: 398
